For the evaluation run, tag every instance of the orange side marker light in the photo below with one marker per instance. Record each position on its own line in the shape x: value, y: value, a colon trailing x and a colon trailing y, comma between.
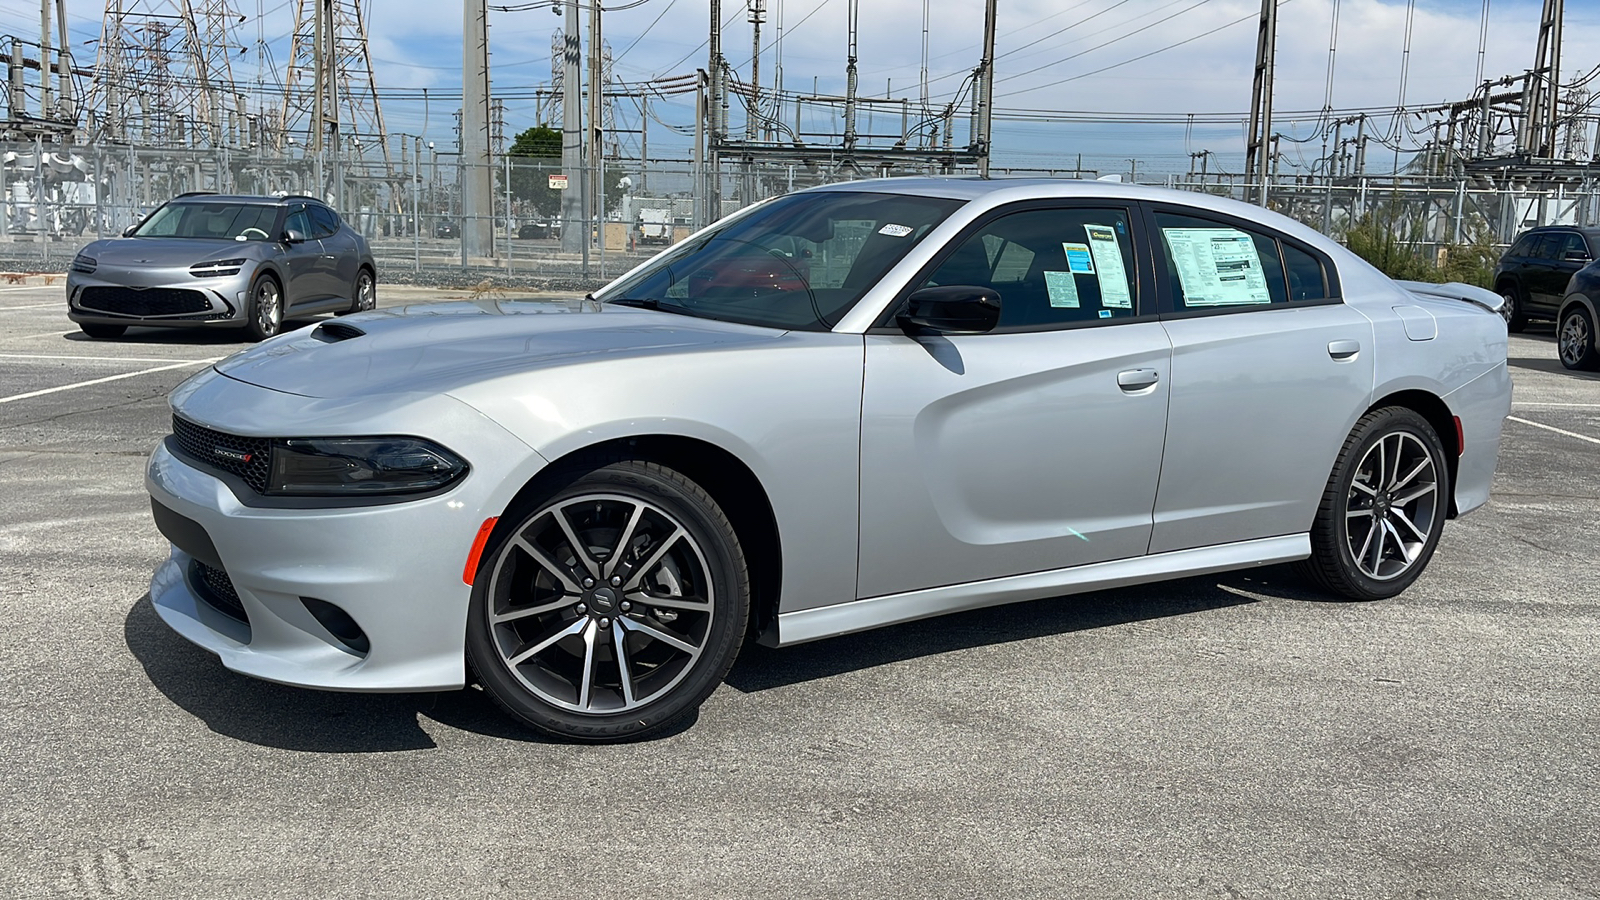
x: 484, y: 530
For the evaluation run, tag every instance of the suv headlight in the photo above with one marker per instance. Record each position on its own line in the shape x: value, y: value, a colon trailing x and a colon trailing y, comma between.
x: 361, y: 466
x: 217, y: 268
x: 84, y: 264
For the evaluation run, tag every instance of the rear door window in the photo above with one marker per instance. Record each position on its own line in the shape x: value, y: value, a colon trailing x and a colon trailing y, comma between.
x: 1211, y: 264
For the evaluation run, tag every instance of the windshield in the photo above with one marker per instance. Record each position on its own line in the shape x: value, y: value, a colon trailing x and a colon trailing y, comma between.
x: 213, y: 221
x: 799, y: 262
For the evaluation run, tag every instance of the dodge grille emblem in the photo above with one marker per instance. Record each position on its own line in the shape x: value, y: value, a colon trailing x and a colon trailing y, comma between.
x: 235, y: 455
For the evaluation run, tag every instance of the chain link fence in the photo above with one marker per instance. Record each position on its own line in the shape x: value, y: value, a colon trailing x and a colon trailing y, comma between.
x: 410, y: 207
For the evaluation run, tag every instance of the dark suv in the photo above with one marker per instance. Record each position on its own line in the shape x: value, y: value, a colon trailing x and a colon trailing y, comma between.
x: 1532, y: 276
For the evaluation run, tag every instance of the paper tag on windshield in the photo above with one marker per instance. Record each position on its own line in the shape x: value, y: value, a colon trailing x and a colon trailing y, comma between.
x: 895, y: 230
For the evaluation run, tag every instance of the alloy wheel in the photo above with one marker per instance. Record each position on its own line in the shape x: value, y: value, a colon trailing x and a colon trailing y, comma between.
x: 268, y: 308
x: 366, y: 292
x: 601, y: 603
x: 1574, y: 340
x: 1392, y: 506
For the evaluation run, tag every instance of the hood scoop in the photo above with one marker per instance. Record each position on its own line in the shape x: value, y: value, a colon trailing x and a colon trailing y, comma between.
x: 334, y: 332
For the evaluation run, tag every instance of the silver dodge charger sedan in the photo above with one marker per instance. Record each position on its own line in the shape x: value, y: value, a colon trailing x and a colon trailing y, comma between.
x: 213, y: 260
x: 844, y: 408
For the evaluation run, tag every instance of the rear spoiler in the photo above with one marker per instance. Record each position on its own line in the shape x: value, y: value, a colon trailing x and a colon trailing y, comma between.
x: 1455, y: 290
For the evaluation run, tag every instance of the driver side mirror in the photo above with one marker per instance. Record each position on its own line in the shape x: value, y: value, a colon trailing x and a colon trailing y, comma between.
x: 294, y: 236
x: 951, y: 309
x: 1576, y: 256
x: 128, y: 232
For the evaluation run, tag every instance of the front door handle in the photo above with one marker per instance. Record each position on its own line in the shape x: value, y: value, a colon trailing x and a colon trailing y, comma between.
x: 1137, y: 379
x: 1343, y: 349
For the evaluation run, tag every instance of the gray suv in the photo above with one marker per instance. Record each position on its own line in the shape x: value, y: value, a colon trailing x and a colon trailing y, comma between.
x: 220, y: 260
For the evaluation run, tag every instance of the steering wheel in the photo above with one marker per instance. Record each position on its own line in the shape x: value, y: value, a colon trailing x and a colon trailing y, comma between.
x: 246, y: 233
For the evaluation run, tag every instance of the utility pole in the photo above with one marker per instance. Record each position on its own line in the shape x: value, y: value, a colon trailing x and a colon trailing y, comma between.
x: 1541, y: 114
x: 477, y: 172
x: 717, y: 111
x: 573, y: 238
x: 852, y: 25
x: 985, y: 89
x: 597, y: 192
x: 1257, y: 150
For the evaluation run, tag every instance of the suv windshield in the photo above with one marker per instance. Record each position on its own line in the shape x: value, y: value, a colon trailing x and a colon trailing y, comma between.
x: 214, y: 221
x: 799, y: 262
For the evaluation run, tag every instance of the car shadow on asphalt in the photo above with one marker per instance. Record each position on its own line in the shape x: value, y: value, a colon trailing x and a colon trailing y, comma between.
x: 1551, y: 365
x: 290, y: 718
x: 763, y: 668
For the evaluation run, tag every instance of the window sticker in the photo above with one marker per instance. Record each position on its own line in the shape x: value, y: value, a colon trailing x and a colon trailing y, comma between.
x: 1062, y: 288
x: 895, y: 230
x: 1217, y: 267
x: 1113, y: 277
x: 1078, y: 259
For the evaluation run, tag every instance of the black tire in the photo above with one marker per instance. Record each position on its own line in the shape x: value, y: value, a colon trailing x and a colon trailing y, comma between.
x: 1512, y: 307
x: 264, y: 312
x: 1575, y: 340
x: 365, y: 292
x: 102, y: 332
x: 545, y: 623
x: 1370, y: 496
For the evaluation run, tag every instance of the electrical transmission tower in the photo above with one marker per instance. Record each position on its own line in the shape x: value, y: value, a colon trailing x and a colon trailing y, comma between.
x: 329, y: 98
x: 164, y: 76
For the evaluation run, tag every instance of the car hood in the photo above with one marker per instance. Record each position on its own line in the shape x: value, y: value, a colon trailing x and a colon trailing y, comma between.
x: 438, y: 347
x: 165, y: 251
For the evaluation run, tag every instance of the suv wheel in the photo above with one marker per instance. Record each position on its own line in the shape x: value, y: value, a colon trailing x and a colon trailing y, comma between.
x: 1575, y: 339
x: 1511, y: 308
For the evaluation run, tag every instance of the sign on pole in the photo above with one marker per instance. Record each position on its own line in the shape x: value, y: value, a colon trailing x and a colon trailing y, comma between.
x: 558, y: 182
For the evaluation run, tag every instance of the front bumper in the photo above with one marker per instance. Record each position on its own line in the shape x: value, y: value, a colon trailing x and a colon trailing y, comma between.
x: 394, y: 569
x: 158, y: 297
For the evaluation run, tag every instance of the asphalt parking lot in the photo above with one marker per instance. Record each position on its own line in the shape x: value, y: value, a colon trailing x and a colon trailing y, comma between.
x: 1231, y: 736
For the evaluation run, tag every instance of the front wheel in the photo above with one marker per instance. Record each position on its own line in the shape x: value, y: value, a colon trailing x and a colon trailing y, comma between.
x: 611, y: 607
x: 1511, y: 310
x: 266, y: 309
x: 366, y: 292
x: 1575, y: 340
x: 1383, y: 509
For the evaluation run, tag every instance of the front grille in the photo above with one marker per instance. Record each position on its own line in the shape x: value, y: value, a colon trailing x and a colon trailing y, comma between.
x: 218, y: 591
x: 127, y: 301
x: 249, y: 458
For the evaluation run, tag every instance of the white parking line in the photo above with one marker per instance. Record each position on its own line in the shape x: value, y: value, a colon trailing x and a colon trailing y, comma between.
x: 95, y: 358
x: 1559, y: 405
x: 1563, y: 431
x: 68, y: 387
x: 33, y: 306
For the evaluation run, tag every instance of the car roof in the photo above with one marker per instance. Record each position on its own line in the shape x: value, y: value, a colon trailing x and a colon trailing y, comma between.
x: 993, y: 192
x: 248, y: 199
x: 1585, y: 230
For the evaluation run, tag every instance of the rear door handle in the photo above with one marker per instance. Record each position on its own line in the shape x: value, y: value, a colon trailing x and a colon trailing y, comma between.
x: 1343, y: 349
x: 1137, y: 379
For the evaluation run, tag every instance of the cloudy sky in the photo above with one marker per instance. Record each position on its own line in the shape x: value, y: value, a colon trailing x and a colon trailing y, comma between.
x: 1069, y: 72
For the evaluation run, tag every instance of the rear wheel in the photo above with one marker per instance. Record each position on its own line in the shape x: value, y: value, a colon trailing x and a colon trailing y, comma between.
x: 96, y: 330
x: 366, y: 292
x: 266, y: 309
x: 612, y: 607
x: 1575, y: 340
x: 1511, y: 308
x: 1383, y: 509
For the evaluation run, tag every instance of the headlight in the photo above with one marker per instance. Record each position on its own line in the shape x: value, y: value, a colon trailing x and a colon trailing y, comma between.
x: 217, y: 268
x: 84, y: 264
x: 336, y: 467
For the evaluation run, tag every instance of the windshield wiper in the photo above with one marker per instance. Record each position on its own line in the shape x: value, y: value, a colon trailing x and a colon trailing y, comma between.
x: 652, y: 303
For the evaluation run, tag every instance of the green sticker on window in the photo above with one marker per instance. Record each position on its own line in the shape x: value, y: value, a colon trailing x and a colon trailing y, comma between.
x: 1062, y: 288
